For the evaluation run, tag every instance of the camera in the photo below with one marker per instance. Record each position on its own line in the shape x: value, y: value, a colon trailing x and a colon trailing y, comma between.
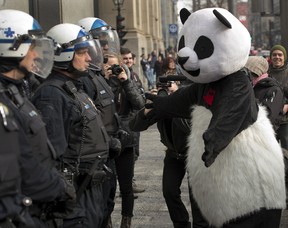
x: 163, y: 91
x: 165, y: 82
x: 116, y: 69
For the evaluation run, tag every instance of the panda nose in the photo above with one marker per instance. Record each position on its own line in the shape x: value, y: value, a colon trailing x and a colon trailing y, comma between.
x: 182, y: 60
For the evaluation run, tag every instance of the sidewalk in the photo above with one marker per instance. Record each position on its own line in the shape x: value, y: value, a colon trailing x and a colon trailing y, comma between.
x: 150, y: 210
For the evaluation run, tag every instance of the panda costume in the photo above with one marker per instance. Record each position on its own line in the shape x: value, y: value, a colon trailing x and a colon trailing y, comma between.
x: 235, y: 164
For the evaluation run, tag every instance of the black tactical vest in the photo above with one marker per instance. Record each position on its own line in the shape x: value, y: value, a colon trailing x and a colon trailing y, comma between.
x: 87, y: 138
x: 33, y: 126
x: 104, y: 101
x: 9, y: 151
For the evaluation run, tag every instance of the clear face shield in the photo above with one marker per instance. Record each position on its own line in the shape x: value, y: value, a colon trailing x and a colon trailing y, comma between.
x: 39, y: 57
x: 84, y: 46
x: 93, y: 50
x: 108, y: 39
x: 43, y: 50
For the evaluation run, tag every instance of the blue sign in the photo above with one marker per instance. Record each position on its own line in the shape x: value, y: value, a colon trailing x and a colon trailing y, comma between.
x: 173, y: 29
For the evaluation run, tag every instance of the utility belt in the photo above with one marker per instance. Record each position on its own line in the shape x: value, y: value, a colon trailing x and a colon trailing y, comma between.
x: 174, y: 154
x: 76, y: 175
x: 39, y: 210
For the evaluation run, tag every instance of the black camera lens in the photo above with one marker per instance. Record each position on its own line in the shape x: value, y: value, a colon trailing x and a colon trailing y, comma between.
x: 162, y: 92
x: 116, y: 69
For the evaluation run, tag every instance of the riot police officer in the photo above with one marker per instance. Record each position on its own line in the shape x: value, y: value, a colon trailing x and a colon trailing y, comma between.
x: 11, y: 206
x: 98, y: 89
x: 24, y: 48
x: 74, y: 123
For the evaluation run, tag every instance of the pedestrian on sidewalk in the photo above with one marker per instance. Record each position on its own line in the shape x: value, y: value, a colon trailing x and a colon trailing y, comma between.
x: 128, y: 60
x: 128, y: 100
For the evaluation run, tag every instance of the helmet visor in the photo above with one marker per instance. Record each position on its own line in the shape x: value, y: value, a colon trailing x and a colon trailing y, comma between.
x: 93, y: 49
x: 108, y: 39
x: 43, y: 49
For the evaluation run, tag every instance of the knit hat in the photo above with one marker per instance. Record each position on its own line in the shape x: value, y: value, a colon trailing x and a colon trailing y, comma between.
x: 281, y: 48
x: 257, y: 65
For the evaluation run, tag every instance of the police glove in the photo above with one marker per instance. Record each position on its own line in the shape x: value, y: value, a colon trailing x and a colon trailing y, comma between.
x: 124, y: 137
x: 114, y: 147
x: 65, y: 205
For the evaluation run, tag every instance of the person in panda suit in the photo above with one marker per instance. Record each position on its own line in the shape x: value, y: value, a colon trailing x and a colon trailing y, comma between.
x: 235, y: 165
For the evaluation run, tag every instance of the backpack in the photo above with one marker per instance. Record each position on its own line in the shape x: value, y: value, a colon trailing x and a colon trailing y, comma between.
x: 269, y: 93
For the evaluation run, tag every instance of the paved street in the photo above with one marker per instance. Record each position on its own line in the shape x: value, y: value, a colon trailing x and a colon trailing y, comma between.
x: 150, y: 210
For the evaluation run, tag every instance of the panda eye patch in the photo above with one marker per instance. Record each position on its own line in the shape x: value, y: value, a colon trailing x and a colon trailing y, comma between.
x: 181, y: 43
x: 204, y: 47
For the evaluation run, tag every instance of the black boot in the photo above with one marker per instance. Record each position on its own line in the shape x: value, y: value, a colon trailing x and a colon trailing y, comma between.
x: 182, y: 225
x: 107, y: 223
x: 125, y: 222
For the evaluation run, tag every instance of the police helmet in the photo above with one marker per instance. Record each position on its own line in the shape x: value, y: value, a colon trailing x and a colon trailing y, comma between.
x: 70, y: 37
x: 99, y: 29
x: 20, y: 32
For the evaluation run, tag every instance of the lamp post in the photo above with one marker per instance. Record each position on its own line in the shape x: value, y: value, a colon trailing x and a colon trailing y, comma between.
x: 118, y: 4
x: 119, y: 20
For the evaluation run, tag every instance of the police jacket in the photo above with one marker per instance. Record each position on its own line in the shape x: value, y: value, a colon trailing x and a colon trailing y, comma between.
x: 129, y: 100
x: 9, y: 163
x: 39, y: 180
x: 98, y: 89
x: 73, y: 122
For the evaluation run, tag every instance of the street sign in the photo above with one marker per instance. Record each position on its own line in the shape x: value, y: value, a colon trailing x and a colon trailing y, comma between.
x: 173, y: 29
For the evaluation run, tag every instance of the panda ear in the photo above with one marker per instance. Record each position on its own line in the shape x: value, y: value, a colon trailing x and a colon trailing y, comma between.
x: 184, y: 14
x: 222, y: 19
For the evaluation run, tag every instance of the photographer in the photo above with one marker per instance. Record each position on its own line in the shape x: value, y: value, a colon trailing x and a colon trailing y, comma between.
x: 128, y: 100
x: 173, y: 134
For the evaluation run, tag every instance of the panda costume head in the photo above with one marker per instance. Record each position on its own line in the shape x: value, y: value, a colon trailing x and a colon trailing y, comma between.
x: 217, y: 48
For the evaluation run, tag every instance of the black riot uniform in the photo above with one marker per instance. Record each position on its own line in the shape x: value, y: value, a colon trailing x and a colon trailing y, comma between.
x: 78, y: 134
x: 39, y: 180
x: 11, y: 206
x: 98, y: 89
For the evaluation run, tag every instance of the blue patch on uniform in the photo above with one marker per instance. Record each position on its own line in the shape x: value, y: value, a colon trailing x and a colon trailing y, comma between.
x: 33, y: 113
x: 87, y: 106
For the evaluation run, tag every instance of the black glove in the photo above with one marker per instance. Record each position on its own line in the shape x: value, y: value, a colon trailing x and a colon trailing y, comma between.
x: 62, y: 209
x: 65, y: 204
x: 151, y: 97
x: 210, y: 154
x: 115, y: 147
x: 124, y: 137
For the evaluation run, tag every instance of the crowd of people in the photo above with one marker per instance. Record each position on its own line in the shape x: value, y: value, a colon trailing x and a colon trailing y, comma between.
x: 155, y: 66
x: 71, y: 112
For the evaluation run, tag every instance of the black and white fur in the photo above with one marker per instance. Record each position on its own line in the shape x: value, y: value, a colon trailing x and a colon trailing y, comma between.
x: 249, y: 173
x: 246, y: 176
